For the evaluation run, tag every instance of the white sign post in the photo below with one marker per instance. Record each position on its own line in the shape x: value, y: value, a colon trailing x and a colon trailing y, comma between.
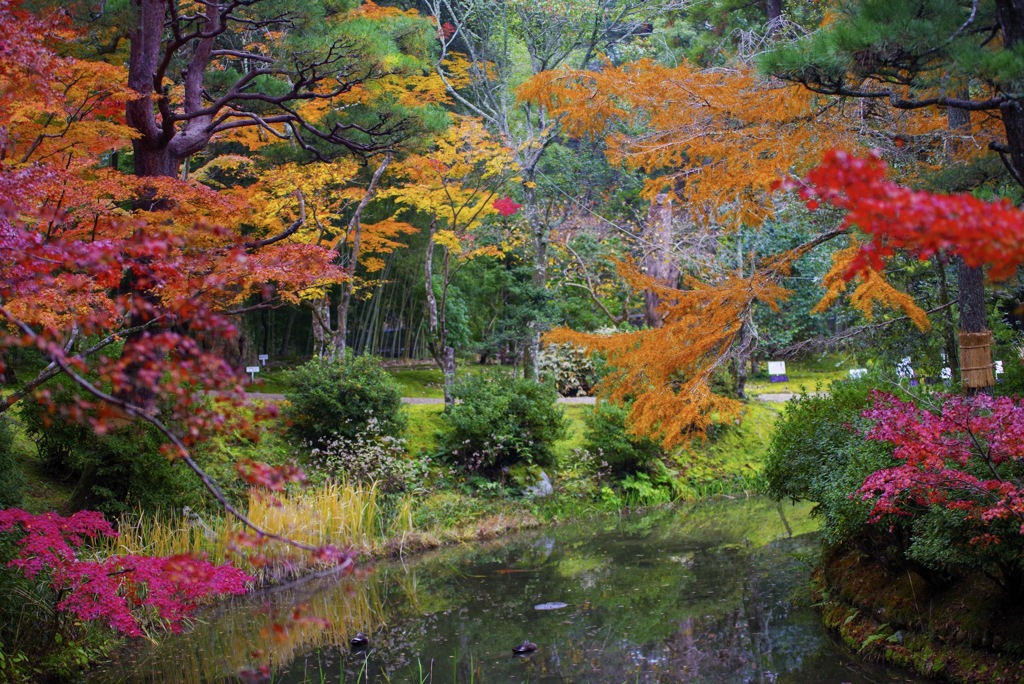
x: 252, y: 371
x: 856, y: 373
x: 999, y: 369
x: 777, y: 371
x: 263, y: 359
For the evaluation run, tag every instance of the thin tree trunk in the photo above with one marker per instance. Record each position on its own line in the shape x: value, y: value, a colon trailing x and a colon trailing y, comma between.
x: 658, y: 261
x: 539, y: 277
x: 744, y: 346
x: 949, y: 325
x: 437, y: 332
x: 355, y: 229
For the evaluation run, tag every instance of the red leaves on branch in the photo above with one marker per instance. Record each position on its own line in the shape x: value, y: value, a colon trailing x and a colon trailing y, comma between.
x: 274, y: 478
x: 983, y: 233
x: 955, y: 458
x: 115, y: 590
x: 505, y: 206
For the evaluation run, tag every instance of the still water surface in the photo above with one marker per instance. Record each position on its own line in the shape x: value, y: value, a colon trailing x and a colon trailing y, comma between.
x: 709, y: 593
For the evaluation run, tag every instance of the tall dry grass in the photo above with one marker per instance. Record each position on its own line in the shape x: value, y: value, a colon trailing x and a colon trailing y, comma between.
x: 334, y: 513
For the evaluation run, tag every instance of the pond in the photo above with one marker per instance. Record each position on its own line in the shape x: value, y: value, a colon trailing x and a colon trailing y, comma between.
x: 714, y: 592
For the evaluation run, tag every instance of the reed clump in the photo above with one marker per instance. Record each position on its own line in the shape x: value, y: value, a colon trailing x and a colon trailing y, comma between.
x: 338, y: 514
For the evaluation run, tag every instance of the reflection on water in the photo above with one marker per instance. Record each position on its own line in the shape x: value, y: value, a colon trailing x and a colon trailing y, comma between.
x: 701, y: 594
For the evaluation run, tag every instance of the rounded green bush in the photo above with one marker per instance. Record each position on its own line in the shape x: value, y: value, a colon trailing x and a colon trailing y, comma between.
x: 331, y: 399
x: 817, y: 453
x: 500, y: 422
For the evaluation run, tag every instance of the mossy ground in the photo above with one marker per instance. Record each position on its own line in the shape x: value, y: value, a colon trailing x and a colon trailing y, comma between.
x: 967, y: 632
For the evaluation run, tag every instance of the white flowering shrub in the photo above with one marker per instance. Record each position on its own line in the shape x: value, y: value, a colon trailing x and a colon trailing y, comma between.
x: 370, y: 456
x: 570, y: 367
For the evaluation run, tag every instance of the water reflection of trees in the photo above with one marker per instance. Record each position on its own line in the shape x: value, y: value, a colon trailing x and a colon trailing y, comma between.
x: 667, y: 598
x: 272, y: 628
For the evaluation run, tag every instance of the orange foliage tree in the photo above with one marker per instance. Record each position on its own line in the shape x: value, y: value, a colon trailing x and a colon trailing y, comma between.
x: 715, y: 140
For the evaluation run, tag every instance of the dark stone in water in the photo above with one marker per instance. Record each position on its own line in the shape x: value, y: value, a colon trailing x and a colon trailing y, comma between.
x: 554, y: 605
x: 524, y: 648
x: 359, y: 641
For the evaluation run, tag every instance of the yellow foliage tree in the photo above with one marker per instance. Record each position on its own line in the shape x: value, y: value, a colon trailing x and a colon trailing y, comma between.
x: 335, y: 200
x: 454, y: 185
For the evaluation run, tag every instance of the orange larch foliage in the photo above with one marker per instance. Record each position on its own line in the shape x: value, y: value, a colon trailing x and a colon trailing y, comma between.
x: 718, y: 140
x: 667, y: 371
x: 725, y: 135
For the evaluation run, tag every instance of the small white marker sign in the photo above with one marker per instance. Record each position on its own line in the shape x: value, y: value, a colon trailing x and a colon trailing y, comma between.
x: 252, y: 371
x: 999, y: 367
x: 858, y: 373
x: 263, y: 359
x: 777, y: 371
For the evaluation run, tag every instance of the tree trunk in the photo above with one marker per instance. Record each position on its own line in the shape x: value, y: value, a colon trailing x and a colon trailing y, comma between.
x: 971, y: 282
x: 658, y: 260
x: 1011, y: 20
x: 355, y: 229
x: 154, y: 162
x: 321, y: 325
x: 773, y: 12
x: 743, y: 350
x: 539, y: 277
x: 448, y: 372
x: 437, y: 332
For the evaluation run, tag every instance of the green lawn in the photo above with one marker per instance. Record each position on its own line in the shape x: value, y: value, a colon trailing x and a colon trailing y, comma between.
x: 805, y: 376
x: 427, y: 381
x: 268, y: 381
x: 419, y: 382
x: 424, y: 420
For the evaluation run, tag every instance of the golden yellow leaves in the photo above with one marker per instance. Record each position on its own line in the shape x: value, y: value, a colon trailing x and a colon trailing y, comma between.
x: 371, y: 10
x: 449, y: 240
x: 455, y: 183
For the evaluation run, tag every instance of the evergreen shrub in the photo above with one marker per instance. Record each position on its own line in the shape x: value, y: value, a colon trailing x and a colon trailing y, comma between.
x: 624, y: 453
x: 499, y: 422
x: 332, y: 399
x: 817, y: 453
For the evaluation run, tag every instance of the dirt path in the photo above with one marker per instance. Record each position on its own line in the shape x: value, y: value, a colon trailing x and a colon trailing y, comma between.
x: 774, y: 397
